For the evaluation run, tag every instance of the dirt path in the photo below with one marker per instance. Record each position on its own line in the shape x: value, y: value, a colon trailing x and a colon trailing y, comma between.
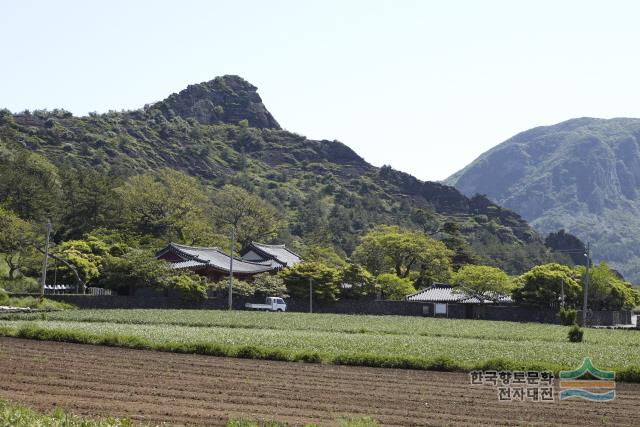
x: 189, y: 389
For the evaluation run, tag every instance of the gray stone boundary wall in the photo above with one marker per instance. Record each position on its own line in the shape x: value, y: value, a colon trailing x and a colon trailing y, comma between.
x: 364, y: 306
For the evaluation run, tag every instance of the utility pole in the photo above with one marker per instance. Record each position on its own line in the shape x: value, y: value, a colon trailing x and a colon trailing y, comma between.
x: 233, y: 239
x: 585, y: 290
x: 310, y: 295
x: 45, y: 260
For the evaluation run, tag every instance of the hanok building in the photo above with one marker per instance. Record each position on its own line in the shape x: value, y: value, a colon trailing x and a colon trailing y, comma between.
x: 440, y: 298
x: 214, y: 264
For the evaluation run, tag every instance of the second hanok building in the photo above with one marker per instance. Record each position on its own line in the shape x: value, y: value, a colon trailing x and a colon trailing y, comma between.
x: 211, y: 262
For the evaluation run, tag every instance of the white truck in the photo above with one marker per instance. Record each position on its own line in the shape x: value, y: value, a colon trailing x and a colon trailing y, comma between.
x: 271, y: 304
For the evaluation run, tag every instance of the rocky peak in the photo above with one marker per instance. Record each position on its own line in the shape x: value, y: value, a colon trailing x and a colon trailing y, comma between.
x: 226, y: 99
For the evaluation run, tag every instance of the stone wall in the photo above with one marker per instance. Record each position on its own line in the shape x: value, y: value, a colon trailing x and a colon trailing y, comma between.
x: 402, y: 308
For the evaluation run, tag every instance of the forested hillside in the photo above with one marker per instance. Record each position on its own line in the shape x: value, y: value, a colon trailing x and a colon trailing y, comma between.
x: 582, y: 175
x: 81, y: 173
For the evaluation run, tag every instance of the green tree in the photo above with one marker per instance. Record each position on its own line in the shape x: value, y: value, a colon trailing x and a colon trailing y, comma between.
x: 85, y: 255
x: 543, y: 286
x: 394, y: 288
x: 462, y: 252
x: 312, y: 223
x: 359, y: 282
x: 324, y: 281
x: 388, y: 247
x: 88, y: 201
x: 253, y: 219
x: 139, y: 269
x: 607, y: 291
x: 427, y: 220
x: 166, y: 204
x: 323, y: 254
x: 17, y: 240
x: 488, y: 282
x: 30, y: 186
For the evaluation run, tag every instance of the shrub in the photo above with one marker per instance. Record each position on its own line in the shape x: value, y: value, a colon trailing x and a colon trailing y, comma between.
x: 191, y: 286
x: 567, y: 316
x: 325, y: 279
x: 393, y: 287
x: 3, y: 296
x: 20, y: 285
x: 630, y: 374
x: 575, y: 334
x: 444, y: 364
x: 309, y: 357
x: 268, y: 285
x: 20, y: 416
x: 39, y: 303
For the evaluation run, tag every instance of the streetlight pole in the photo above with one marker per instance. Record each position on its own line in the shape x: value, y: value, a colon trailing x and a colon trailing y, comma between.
x: 45, y: 260
x: 310, y: 295
x: 233, y: 238
x: 585, y: 290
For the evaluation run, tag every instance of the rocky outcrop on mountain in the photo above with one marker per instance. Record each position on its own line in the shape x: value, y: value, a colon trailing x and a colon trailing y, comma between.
x: 226, y: 99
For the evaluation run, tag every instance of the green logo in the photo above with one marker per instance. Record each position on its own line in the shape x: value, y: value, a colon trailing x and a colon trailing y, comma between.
x: 588, y: 382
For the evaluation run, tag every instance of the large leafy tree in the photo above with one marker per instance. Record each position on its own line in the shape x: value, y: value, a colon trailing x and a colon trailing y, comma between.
x: 488, y: 282
x: 166, y: 204
x: 86, y: 255
x: 607, y: 291
x: 253, y: 219
x: 324, y: 281
x: 403, y: 251
x: 543, y: 285
x: 17, y: 240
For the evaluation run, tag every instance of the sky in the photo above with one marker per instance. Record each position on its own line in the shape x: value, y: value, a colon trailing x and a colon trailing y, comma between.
x: 423, y: 86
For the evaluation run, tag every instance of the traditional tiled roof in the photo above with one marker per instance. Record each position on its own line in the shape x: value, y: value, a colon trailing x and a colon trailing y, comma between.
x: 188, y: 264
x: 278, y: 253
x: 194, y: 257
x: 442, y: 292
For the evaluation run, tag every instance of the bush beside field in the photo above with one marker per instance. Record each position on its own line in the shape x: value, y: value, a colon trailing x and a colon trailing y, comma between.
x: 21, y: 416
x: 31, y: 302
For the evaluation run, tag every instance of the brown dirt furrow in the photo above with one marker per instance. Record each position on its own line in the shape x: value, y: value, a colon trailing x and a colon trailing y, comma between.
x: 196, y: 396
x: 191, y: 389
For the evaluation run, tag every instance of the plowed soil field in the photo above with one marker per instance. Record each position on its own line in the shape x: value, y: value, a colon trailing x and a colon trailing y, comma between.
x: 157, y: 387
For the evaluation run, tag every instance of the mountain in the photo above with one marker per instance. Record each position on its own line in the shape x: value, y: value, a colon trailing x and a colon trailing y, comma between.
x: 221, y: 132
x: 581, y: 175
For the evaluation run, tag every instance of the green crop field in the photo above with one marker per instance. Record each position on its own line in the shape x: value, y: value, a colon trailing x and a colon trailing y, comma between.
x: 393, y: 341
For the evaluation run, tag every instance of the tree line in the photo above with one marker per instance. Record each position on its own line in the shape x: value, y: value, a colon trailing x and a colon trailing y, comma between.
x: 108, y: 227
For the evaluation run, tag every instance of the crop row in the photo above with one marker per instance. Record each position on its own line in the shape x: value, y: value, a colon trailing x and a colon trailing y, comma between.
x: 374, y: 325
